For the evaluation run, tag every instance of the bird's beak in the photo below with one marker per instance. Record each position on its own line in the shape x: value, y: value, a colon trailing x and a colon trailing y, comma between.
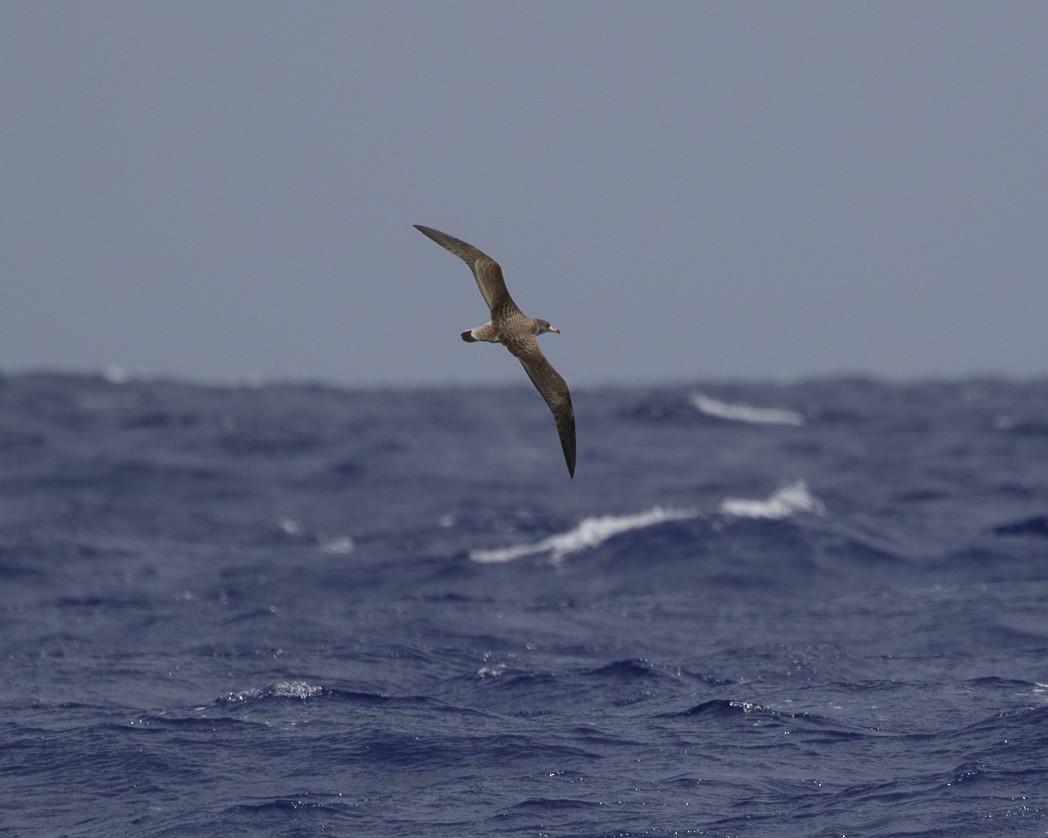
x: 554, y: 329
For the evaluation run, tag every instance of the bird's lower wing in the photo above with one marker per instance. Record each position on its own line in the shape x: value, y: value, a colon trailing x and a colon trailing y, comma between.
x: 554, y: 390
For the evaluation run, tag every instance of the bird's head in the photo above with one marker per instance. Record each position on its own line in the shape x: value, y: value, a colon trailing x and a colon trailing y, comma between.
x: 544, y: 327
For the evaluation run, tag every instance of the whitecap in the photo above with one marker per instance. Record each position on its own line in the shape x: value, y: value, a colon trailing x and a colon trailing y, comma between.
x: 782, y: 504
x: 337, y: 546
x: 116, y: 375
x: 295, y: 689
x: 590, y: 532
x: 281, y: 689
x: 290, y: 525
x: 745, y: 413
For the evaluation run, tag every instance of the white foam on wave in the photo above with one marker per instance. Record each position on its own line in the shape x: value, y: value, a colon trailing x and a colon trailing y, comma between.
x: 290, y: 525
x: 281, y: 689
x: 782, y: 504
x: 337, y: 546
x: 116, y: 375
x: 590, y: 532
x: 745, y: 413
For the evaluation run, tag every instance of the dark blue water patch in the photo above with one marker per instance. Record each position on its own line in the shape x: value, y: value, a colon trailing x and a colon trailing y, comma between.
x: 159, y: 420
x: 627, y: 671
x: 1036, y: 526
x: 346, y: 472
x: 1023, y: 427
x: 269, y: 442
x: 13, y: 442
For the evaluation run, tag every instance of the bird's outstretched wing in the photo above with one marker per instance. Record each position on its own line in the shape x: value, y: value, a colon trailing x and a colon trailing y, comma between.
x: 553, y: 389
x: 485, y: 269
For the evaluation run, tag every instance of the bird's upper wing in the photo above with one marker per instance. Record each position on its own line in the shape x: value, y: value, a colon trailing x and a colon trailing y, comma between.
x: 553, y: 389
x: 485, y: 269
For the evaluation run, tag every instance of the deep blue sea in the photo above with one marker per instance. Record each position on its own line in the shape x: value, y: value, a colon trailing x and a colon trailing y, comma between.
x: 808, y: 609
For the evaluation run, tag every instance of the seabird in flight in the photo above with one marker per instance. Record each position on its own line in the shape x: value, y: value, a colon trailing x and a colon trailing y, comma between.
x: 517, y: 332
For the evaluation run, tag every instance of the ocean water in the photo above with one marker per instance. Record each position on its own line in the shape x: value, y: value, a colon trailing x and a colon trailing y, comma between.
x: 815, y: 609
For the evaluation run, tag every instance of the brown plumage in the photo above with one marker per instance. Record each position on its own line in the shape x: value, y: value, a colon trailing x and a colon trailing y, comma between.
x: 517, y: 332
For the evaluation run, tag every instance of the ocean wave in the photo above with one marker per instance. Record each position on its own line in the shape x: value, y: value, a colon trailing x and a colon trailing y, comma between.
x: 744, y: 412
x: 589, y: 533
x: 725, y: 708
x: 592, y: 532
x: 782, y: 504
x: 282, y: 689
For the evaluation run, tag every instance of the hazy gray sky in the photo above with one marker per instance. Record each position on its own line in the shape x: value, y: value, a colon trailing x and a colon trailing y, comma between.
x: 688, y: 190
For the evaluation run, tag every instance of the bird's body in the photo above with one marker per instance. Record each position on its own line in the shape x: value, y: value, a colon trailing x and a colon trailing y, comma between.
x: 517, y: 332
